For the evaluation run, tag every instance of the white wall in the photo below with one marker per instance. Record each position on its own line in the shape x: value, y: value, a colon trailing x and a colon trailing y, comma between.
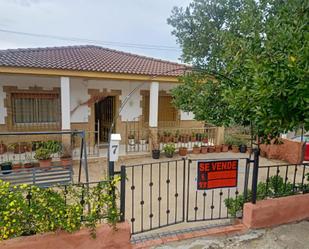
x: 79, y: 94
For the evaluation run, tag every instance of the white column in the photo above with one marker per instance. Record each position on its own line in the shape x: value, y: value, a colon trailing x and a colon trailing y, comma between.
x: 153, y: 104
x: 65, y: 103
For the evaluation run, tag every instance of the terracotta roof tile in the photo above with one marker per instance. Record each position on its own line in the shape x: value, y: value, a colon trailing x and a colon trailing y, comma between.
x: 88, y: 58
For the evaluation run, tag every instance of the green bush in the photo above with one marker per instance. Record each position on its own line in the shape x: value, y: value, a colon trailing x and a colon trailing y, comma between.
x: 26, y: 210
x: 274, y: 188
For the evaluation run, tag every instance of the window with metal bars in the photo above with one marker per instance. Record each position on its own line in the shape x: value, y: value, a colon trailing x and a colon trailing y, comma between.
x: 35, y: 108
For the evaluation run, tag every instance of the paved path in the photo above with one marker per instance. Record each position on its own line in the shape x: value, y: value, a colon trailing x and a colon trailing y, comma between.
x: 292, y: 236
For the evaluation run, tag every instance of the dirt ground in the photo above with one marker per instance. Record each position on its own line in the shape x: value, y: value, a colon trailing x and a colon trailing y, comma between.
x: 291, y: 236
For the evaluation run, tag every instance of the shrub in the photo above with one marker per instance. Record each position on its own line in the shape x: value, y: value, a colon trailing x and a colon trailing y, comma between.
x: 274, y: 188
x: 26, y: 210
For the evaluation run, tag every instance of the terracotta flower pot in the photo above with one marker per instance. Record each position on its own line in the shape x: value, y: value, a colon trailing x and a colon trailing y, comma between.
x: 249, y: 150
x: 66, y: 161
x: 225, y: 148
x: 205, y: 140
x: 204, y: 149
x: 17, y: 166
x: 196, y: 150
x: 183, y: 151
x: 218, y: 148
x: 235, y: 148
x: 28, y: 165
x: 19, y: 149
x: 45, y: 163
x: 211, y: 149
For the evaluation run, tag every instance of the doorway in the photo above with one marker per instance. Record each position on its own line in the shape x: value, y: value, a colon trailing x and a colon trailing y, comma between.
x: 104, y: 114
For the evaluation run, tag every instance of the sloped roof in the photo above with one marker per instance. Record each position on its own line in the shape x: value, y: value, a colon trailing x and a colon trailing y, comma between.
x: 88, y: 58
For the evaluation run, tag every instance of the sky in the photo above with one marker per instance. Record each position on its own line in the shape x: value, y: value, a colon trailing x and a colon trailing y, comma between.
x: 124, y: 21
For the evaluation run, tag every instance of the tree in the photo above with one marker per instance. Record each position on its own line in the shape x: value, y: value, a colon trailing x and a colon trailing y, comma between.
x: 262, y: 49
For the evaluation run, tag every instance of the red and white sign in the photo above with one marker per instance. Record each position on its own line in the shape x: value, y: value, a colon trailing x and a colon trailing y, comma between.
x: 217, y: 174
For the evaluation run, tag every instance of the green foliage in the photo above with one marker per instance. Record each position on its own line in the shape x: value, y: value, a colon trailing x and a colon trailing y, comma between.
x: 55, y: 209
x: 169, y: 149
x: 275, y: 187
x: 53, y: 146
x: 257, y: 51
x: 42, y: 154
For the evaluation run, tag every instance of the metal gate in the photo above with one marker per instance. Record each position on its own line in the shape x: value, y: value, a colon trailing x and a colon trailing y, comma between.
x: 160, y: 194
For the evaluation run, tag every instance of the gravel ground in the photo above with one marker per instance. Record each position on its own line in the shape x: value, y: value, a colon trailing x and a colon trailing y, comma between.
x: 292, y: 236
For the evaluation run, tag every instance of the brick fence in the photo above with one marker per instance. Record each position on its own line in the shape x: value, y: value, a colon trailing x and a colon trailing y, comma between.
x: 106, y: 238
x: 289, y: 151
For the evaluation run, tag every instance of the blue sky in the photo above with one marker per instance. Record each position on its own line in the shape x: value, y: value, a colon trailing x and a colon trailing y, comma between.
x: 126, y: 21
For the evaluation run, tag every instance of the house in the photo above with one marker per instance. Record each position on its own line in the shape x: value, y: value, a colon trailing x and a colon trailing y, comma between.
x: 83, y: 87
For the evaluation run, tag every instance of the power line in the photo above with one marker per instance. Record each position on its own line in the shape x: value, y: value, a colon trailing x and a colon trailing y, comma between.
x: 101, y: 42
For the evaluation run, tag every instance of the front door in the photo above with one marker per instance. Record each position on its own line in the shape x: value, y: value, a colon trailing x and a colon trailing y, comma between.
x: 104, y: 114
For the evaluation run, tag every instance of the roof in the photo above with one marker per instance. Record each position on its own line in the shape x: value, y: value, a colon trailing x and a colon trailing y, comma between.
x: 88, y: 58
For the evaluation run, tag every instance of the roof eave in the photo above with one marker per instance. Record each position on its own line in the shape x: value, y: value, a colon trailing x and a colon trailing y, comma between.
x: 87, y: 74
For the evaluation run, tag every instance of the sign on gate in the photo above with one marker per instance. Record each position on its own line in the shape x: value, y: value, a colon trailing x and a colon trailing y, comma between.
x: 217, y: 174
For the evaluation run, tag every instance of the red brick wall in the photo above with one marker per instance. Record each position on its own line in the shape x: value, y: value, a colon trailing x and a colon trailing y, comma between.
x: 274, y: 212
x: 107, y: 238
x: 290, y: 151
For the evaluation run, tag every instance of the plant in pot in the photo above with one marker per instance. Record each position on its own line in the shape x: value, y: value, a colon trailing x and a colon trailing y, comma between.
x: 211, y: 149
x: 204, y: 149
x: 28, y: 162
x: 155, y: 152
x: 143, y: 140
x: 218, y: 148
x: 177, y: 137
x: 183, y: 151
x: 3, y: 148
x: 131, y: 138
x: 242, y: 146
x: 193, y: 137
x: 17, y: 148
x: 167, y: 136
x: 17, y: 166
x: 43, y: 155
x: 205, y: 138
x: 196, y: 149
x: 235, y: 145
x: 66, y: 156
x: 6, y: 167
x: 169, y: 150
x: 228, y: 141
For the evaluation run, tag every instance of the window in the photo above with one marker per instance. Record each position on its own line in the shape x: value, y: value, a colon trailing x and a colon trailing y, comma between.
x: 166, y: 111
x: 35, y: 108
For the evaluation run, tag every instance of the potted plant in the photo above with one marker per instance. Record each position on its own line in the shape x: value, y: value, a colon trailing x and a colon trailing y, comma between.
x: 177, y: 137
x: 211, y: 149
x: 167, y: 136
x: 249, y: 150
x: 3, y: 148
x: 225, y: 147
x: 228, y: 141
x: 131, y: 138
x: 169, y: 150
x: 17, y: 166
x: 143, y: 140
x: 242, y: 146
x: 204, y: 149
x: 193, y: 137
x: 235, y: 145
x: 66, y: 156
x: 183, y: 151
x: 17, y: 148
x: 28, y: 162
x: 196, y: 149
x: 6, y: 167
x: 218, y: 148
x: 205, y: 138
x: 43, y: 155
x: 155, y: 152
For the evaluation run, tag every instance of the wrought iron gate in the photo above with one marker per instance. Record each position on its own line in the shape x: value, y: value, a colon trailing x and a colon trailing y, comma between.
x: 156, y: 195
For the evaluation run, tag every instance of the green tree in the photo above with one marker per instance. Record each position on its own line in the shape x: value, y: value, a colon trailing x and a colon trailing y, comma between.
x: 261, y: 48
